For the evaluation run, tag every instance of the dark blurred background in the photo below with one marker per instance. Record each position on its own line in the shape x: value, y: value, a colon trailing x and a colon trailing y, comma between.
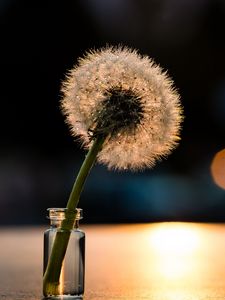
x: 39, y: 160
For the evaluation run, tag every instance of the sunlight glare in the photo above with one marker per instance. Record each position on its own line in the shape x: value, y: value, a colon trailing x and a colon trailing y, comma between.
x: 174, y: 238
x: 174, y: 245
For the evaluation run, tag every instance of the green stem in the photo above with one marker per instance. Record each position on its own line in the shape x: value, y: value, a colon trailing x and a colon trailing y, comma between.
x: 53, y: 270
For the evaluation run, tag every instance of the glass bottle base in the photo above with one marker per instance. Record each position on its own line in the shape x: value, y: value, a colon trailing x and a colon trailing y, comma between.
x: 64, y: 297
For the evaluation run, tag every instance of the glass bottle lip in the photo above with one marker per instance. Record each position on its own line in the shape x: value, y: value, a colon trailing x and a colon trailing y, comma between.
x: 58, y: 213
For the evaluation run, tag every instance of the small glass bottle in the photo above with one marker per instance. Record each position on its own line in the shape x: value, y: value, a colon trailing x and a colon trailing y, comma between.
x: 72, y: 274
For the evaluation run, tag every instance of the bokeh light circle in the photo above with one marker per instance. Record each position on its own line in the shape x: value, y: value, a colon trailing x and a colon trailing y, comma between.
x: 218, y: 168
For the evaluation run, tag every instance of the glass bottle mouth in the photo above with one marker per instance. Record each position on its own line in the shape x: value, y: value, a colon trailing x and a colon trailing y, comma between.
x: 59, y: 214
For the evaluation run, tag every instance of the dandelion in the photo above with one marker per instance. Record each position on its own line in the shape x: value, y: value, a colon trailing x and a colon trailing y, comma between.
x: 117, y: 93
x: 124, y: 109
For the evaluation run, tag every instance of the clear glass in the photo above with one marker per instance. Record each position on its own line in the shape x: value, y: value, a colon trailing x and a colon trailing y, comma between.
x: 72, y: 273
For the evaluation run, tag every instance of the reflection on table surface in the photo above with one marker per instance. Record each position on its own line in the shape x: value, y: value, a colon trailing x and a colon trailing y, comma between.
x: 161, y: 261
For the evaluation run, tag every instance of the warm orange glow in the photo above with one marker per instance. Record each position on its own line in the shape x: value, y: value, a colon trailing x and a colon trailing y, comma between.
x: 126, y: 262
x: 171, y: 261
x: 173, y: 238
x: 218, y: 168
x: 174, y: 245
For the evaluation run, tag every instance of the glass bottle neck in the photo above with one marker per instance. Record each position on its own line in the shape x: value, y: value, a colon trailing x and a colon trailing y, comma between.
x: 57, y: 215
x: 58, y: 223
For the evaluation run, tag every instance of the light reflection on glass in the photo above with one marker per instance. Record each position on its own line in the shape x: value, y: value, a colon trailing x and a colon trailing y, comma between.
x: 61, y: 280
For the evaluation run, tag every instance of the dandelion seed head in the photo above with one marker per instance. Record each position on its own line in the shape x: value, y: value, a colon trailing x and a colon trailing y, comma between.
x: 128, y: 98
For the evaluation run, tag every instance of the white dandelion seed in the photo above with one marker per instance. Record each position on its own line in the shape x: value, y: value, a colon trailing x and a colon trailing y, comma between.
x: 128, y: 98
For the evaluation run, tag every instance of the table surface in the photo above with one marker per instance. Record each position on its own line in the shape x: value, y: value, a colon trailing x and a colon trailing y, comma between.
x: 159, y: 261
